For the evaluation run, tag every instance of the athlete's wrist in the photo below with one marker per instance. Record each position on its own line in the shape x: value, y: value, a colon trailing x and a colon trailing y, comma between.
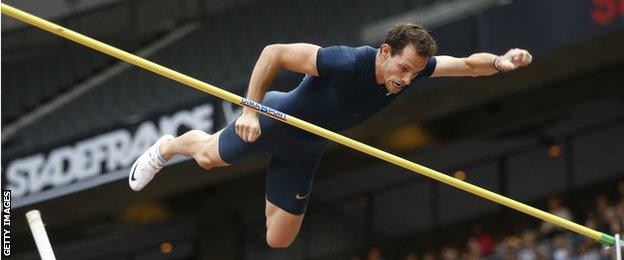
x: 249, y: 111
x: 495, y: 64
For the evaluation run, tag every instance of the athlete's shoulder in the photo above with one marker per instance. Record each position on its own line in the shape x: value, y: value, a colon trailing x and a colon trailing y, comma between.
x: 347, y: 52
x: 338, y: 60
x: 365, y: 50
x: 338, y: 52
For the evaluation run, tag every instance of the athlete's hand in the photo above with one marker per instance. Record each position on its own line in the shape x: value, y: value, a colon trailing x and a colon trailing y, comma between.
x: 248, y: 126
x: 513, y: 59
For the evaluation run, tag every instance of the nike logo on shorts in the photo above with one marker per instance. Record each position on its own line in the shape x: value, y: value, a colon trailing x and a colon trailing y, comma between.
x: 299, y: 197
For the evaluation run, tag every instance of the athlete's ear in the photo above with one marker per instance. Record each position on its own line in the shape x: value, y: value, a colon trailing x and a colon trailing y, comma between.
x: 385, y: 50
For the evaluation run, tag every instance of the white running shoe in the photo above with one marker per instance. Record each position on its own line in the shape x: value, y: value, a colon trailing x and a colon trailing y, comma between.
x: 147, y: 165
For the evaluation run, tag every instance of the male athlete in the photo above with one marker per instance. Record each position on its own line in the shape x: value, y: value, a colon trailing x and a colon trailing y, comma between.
x: 343, y: 87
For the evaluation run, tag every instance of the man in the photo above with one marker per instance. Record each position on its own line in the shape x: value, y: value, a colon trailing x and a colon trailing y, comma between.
x: 343, y: 86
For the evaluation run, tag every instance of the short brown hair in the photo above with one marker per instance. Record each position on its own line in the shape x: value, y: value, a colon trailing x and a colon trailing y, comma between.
x: 403, y: 34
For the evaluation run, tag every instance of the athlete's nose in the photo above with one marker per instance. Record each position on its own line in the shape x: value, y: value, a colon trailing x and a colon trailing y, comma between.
x: 407, y: 80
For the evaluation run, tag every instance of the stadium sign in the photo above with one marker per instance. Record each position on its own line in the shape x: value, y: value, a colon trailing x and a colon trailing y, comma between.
x: 92, y: 160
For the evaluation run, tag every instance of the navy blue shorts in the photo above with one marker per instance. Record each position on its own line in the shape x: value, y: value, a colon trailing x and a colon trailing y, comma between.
x: 294, y: 158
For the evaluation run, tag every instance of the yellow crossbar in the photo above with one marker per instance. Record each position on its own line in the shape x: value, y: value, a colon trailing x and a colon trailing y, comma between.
x: 210, y: 89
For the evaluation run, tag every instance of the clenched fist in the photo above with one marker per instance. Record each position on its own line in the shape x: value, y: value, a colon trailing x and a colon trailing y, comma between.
x: 513, y: 59
x: 247, y: 126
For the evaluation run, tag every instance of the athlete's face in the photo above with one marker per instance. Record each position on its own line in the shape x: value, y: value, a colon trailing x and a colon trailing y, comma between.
x: 398, y: 71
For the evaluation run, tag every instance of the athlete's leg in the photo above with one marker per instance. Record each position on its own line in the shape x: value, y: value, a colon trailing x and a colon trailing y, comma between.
x: 288, y: 186
x: 204, y: 148
x: 199, y: 145
x: 282, y: 227
x: 220, y: 149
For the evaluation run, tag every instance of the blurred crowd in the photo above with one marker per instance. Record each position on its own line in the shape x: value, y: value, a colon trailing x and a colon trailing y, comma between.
x: 546, y: 241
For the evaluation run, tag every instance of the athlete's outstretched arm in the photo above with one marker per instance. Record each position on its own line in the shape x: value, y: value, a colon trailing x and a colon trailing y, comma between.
x: 297, y: 57
x: 481, y: 64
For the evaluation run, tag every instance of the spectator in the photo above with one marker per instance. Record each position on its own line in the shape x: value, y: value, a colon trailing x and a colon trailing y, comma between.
x: 449, y: 253
x: 429, y: 256
x: 472, y: 249
x: 562, y: 250
x: 605, y: 213
x: 507, y: 248
x: 529, y: 249
x: 591, y: 223
x: 619, y: 210
x: 484, y: 240
x: 602, y: 204
x: 374, y: 253
x: 588, y: 251
x: 615, y: 226
x: 411, y: 256
x: 556, y: 208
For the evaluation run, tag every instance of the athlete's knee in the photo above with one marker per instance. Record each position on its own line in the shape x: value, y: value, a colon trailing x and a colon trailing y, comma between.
x: 207, y: 156
x: 279, y: 236
x: 277, y: 241
x: 204, y: 160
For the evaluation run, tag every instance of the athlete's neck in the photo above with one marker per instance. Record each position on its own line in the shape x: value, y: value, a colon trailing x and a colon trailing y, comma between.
x: 378, y: 75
